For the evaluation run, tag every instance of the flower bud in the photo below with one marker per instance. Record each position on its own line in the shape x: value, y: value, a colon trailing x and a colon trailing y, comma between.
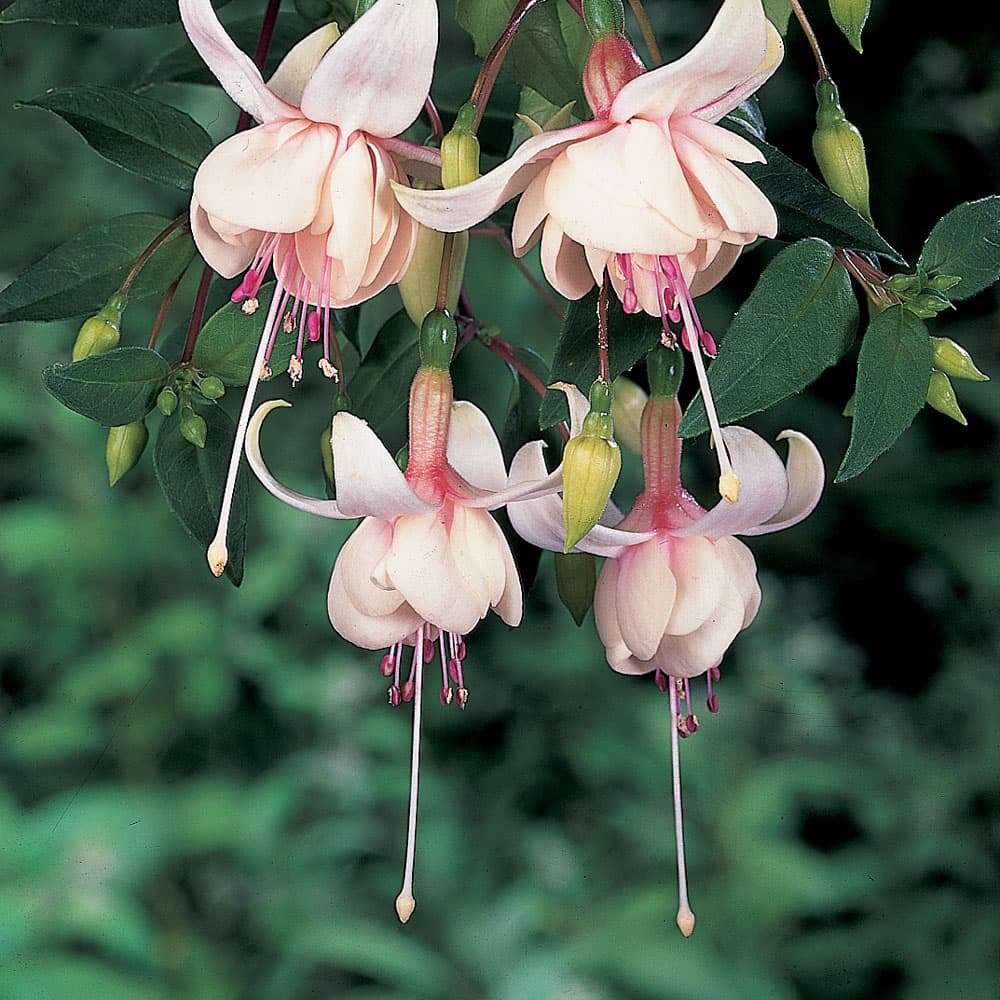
x: 100, y: 333
x: 438, y: 336
x: 941, y: 396
x: 212, y: 387
x: 611, y: 64
x: 460, y: 151
x: 193, y: 427
x: 166, y: 401
x: 591, y: 464
x: 124, y: 448
x: 840, y: 150
x: 626, y: 411
x: 419, y: 286
x: 604, y: 17
x: 927, y: 305
x: 955, y: 360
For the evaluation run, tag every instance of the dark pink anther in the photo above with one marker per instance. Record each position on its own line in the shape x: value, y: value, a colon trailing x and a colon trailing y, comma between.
x: 461, y: 649
x: 708, y: 344
x: 713, y: 703
x: 446, y: 695
x: 428, y: 650
x: 630, y: 301
x: 674, y: 314
x: 387, y: 665
x: 312, y: 325
x: 715, y: 673
x: 408, y: 690
x: 394, y: 695
x: 662, y: 681
x: 455, y: 670
x: 462, y: 697
x: 692, y: 723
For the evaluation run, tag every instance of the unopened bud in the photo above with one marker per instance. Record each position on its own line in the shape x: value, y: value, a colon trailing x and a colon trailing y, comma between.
x: 904, y: 283
x: 460, y: 150
x: 101, y: 332
x: 955, y: 360
x: 591, y: 464
x: 611, y: 64
x: 840, y: 150
x: 166, y: 401
x: 419, y: 286
x: 212, y: 387
x: 626, y: 411
x: 604, y: 17
x: 438, y: 336
x: 326, y: 452
x: 193, y: 427
x: 941, y: 396
x: 927, y: 305
x: 124, y: 448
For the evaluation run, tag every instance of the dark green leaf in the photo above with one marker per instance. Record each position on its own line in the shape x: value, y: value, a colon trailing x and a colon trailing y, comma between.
x: 144, y: 136
x: 347, y: 323
x: 966, y: 244
x: 799, y: 320
x: 629, y: 338
x: 228, y: 342
x: 114, y: 388
x: 850, y: 16
x: 576, y: 580
x: 521, y: 422
x: 806, y: 207
x: 79, y: 276
x: 192, y: 480
x: 544, y: 51
x: 96, y: 13
x: 894, y: 370
x: 380, y: 387
x: 778, y: 12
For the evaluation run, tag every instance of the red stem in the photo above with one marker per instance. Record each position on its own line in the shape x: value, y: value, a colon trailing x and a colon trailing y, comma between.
x: 437, y: 126
x: 161, y: 315
x: 154, y: 245
x: 602, y: 332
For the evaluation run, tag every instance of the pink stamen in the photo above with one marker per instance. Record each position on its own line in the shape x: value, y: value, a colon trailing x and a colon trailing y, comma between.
x: 312, y: 325
x: 630, y: 301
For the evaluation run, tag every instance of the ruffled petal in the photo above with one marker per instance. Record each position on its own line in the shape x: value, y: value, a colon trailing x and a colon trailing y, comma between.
x: 806, y: 477
x: 564, y: 263
x: 351, y: 190
x: 530, y: 215
x: 618, y: 655
x: 510, y: 607
x: 377, y: 76
x: 692, y: 654
x: 460, y: 208
x: 311, y: 505
x: 701, y: 581
x: 763, y: 488
x: 366, y: 476
x: 741, y: 570
x: 473, y: 449
x: 477, y: 555
x: 227, y: 254
x: 293, y: 72
x: 234, y: 69
x: 357, y: 562
x: 268, y: 178
x: 721, y: 264
x: 645, y: 598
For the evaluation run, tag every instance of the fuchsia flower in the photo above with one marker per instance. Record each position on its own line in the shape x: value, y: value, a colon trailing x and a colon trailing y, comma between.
x: 676, y: 587
x: 307, y: 192
x: 428, y: 562
x: 647, y: 192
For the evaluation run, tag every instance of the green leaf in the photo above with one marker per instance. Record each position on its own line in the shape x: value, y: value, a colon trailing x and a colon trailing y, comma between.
x: 228, y: 342
x: 146, y: 137
x: 192, y: 480
x: 576, y: 581
x: 894, y: 370
x: 380, y: 387
x: 114, y: 388
x: 96, y: 13
x: 778, y: 12
x: 799, y: 320
x: 521, y: 421
x: 805, y: 206
x: 629, y: 338
x: 79, y: 276
x: 348, y: 325
x: 966, y: 244
x: 850, y: 16
x: 542, y: 55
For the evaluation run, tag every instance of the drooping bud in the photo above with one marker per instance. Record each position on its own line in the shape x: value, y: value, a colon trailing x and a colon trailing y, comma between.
x: 212, y: 387
x: 419, y: 286
x: 665, y: 368
x: 941, y: 396
x: 124, y: 448
x: 840, y: 150
x: 612, y: 63
x: 101, y: 332
x: 604, y: 17
x: 460, y: 150
x: 166, y: 401
x: 438, y: 336
x: 193, y: 427
x: 591, y: 464
x: 955, y: 360
x: 626, y: 411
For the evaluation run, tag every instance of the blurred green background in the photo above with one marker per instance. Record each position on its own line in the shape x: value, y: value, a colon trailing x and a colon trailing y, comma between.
x: 203, y: 793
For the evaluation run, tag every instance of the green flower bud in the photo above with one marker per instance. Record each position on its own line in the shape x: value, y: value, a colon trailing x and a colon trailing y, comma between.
x: 927, y: 305
x: 942, y: 397
x: 124, y: 448
x: 438, y: 336
x: 576, y: 580
x: 955, y: 360
x: 904, y: 283
x: 193, y: 427
x: 212, y: 387
x: 100, y: 333
x: 166, y: 401
x: 419, y: 286
x: 460, y: 151
x: 592, y: 462
x: 604, y: 17
x: 665, y: 368
x: 943, y: 282
x: 626, y: 411
x: 840, y: 150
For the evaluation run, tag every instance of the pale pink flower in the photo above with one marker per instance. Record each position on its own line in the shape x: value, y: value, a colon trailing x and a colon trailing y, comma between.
x: 308, y: 192
x: 676, y: 587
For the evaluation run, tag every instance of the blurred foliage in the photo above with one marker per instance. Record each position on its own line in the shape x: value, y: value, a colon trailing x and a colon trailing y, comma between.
x: 203, y: 794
